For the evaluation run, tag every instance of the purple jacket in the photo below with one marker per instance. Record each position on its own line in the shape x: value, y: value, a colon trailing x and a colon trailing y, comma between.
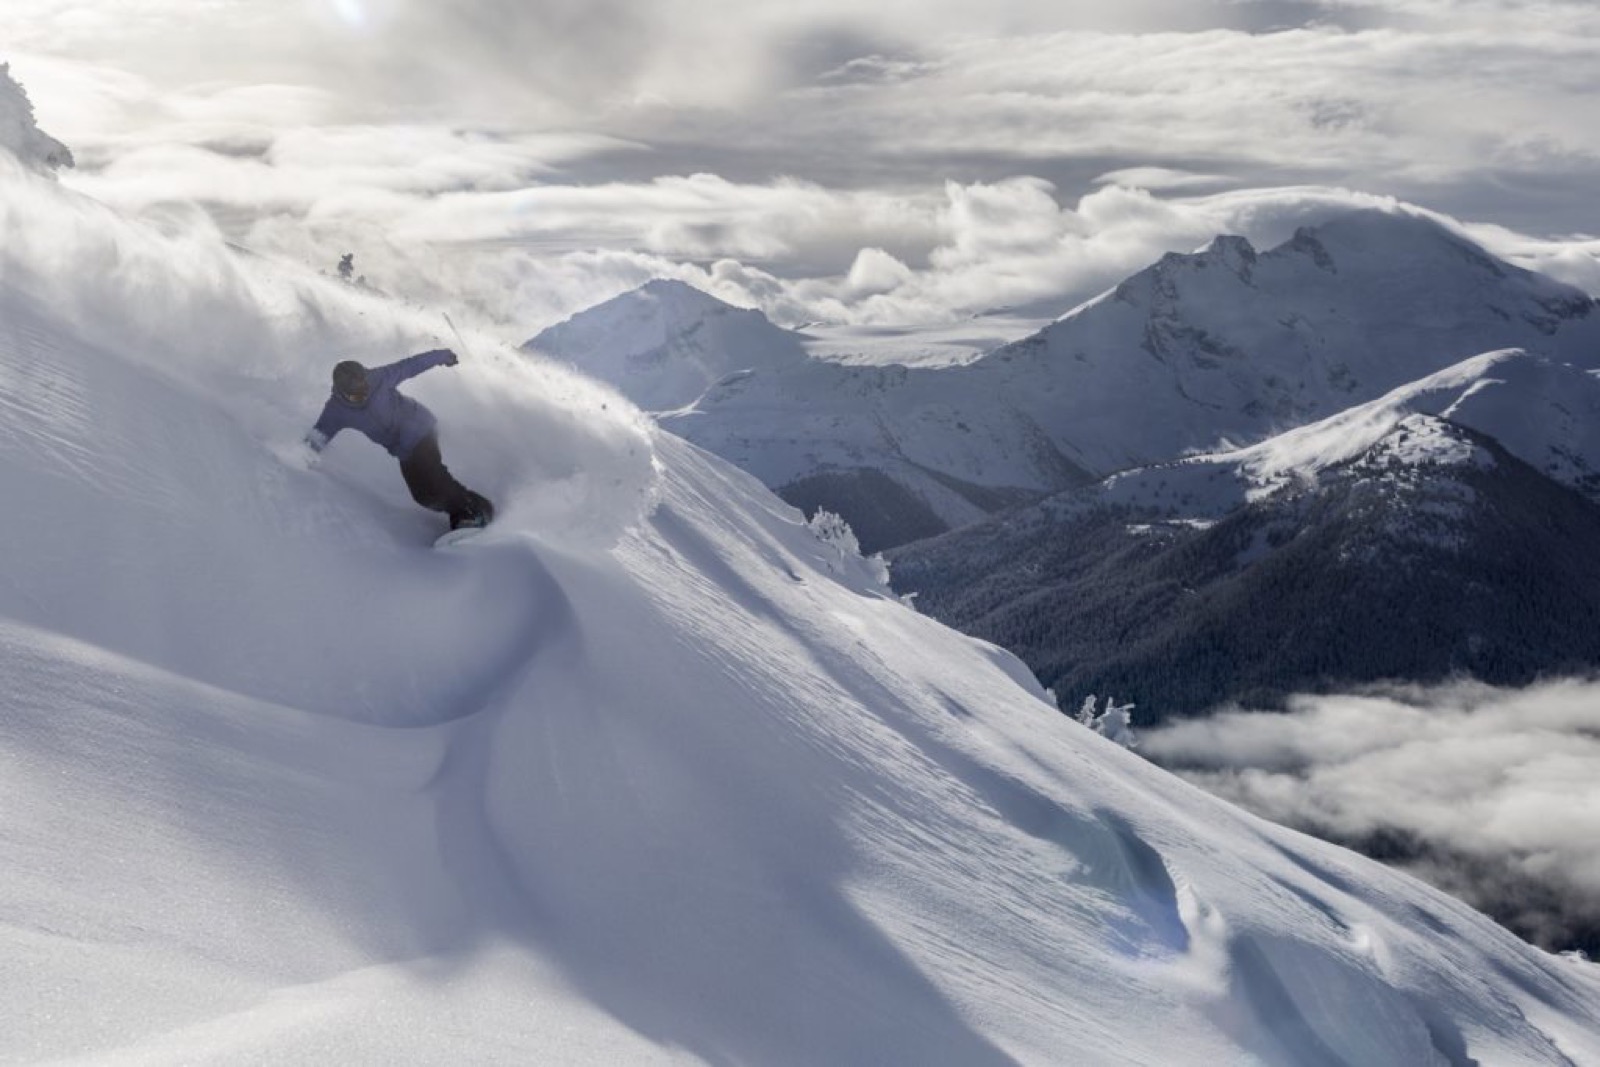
x: 389, y: 417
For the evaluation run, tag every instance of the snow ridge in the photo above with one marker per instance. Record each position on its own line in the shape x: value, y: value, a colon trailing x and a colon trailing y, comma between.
x: 1544, y: 412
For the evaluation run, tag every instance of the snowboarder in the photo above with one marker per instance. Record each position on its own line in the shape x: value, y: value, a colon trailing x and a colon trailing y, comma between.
x: 366, y: 399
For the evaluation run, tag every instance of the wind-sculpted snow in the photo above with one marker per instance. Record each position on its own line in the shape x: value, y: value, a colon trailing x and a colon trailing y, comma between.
x: 830, y: 771
x: 645, y: 773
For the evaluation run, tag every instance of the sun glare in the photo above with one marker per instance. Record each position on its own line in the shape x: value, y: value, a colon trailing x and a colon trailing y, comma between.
x: 352, y: 13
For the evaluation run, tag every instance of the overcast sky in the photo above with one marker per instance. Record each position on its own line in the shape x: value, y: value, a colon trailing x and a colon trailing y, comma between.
x: 520, y: 159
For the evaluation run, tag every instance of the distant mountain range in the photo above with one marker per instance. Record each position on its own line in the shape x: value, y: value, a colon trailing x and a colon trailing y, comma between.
x: 1446, y: 529
x: 1370, y: 453
x: 1221, y: 347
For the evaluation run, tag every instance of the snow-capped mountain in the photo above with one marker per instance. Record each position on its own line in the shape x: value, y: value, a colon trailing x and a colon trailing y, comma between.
x: 1444, y: 529
x: 648, y: 773
x: 879, y: 444
x: 1226, y: 345
x: 1231, y: 345
x: 664, y: 344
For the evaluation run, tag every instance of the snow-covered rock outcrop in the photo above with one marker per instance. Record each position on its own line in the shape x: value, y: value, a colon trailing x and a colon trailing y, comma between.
x: 20, y: 134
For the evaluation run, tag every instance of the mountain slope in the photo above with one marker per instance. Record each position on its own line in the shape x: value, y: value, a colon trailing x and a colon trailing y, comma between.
x: 1444, y: 529
x: 648, y: 773
x: 1223, y: 345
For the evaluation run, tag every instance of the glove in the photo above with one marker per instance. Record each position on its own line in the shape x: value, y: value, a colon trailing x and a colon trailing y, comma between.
x: 310, y: 450
x: 298, y: 455
x: 450, y: 359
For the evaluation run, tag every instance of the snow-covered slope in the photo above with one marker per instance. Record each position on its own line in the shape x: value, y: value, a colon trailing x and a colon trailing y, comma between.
x: 1224, y: 345
x: 647, y: 773
x: 1444, y: 529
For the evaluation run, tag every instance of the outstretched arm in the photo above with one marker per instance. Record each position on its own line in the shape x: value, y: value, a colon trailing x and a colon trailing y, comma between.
x: 327, y: 426
x: 412, y: 366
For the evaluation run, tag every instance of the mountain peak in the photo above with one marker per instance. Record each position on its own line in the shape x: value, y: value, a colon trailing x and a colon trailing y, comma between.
x: 1230, y: 251
x: 680, y: 294
x: 1236, y: 253
x: 668, y: 299
x: 665, y: 343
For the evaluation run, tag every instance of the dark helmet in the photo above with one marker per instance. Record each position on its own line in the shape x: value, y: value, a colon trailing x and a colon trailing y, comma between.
x: 350, y: 381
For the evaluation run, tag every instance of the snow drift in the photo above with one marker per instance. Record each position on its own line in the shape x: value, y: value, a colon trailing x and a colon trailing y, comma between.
x: 647, y: 773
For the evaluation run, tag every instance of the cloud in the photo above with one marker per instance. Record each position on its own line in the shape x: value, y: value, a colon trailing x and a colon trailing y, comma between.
x: 1161, y: 179
x: 1574, y: 258
x: 873, y: 258
x: 433, y: 217
x: 1157, y: 82
x: 1018, y: 153
x: 1491, y: 794
x: 506, y: 222
x: 301, y: 169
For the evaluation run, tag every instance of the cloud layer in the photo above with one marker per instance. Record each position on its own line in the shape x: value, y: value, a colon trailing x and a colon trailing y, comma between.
x: 1493, y: 795
x: 922, y: 159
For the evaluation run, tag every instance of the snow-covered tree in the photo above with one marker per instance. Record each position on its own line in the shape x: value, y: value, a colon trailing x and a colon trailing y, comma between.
x: 832, y: 530
x: 1114, y: 722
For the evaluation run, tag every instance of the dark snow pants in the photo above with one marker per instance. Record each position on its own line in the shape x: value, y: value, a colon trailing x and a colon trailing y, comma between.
x: 435, y: 488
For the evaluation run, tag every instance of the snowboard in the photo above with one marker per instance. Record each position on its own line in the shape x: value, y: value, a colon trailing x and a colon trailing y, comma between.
x: 466, y: 533
x: 456, y: 537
